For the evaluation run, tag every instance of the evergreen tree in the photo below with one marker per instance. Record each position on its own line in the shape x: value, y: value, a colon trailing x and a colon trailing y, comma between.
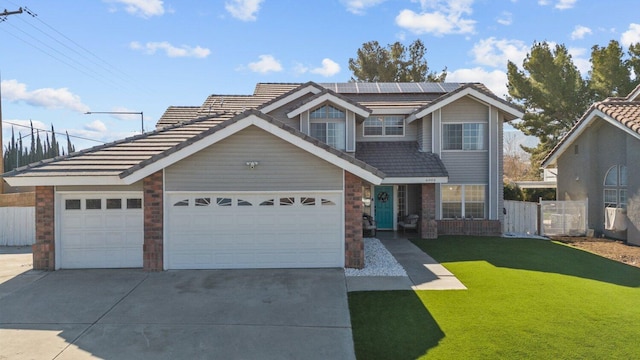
x: 394, y: 63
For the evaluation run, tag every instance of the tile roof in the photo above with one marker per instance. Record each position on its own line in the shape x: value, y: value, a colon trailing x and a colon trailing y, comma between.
x: 115, y: 158
x: 625, y: 112
x: 400, y: 159
x: 617, y: 109
x: 177, y: 114
x: 124, y: 157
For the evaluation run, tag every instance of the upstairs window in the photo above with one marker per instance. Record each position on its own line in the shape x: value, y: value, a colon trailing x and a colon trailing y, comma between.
x: 328, y: 124
x: 468, y: 136
x: 384, y: 126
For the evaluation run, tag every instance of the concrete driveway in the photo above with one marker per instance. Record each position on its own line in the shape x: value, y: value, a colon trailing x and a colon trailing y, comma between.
x: 206, y: 314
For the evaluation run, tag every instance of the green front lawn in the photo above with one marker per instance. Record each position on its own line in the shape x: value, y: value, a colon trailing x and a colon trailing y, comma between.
x: 526, y: 299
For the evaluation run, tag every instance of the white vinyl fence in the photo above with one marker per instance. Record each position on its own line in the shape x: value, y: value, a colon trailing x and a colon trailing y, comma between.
x: 521, y: 218
x: 564, y: 217
x: 545, y: 218
x: 17, y: 226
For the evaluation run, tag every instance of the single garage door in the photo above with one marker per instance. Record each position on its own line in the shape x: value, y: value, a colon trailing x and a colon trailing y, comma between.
x: 101, y: 230
x: 248, y: 230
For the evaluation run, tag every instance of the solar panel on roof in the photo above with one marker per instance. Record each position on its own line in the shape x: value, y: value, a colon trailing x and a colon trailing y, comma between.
x: 346, y: 88
x: 409, y: 88
x: 389, y: 87
x: 368, y: 88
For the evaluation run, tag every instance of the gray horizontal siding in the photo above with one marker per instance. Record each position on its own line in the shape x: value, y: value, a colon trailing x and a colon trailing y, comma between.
x: 222, y: 167
x: 467, y: 167
x: 465, y: 110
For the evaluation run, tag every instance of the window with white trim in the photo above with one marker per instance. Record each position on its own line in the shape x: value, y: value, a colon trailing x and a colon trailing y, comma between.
x: 463, y: 201
x: 384, y: 126
x: 467, y: 136
x: 328, y: 124
x: 615, y: 187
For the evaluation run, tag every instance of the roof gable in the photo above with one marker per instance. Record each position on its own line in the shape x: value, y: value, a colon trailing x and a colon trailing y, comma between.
x: 473, y: 90
x: 330, y: 96
x: 624, y: 115
x: 264, y: 122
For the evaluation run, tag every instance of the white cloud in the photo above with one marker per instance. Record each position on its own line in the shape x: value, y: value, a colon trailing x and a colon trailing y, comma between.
x: 142, y: 8
x: 496, y: 53
x: 266, y: 64
x: 49, y: 98
x: 631, y: 36
x: 170, y: 50
x: 565, y: 4
x: 244, y: 10
x: 97, y: 126
x: 358, y: 6
x: 300, y: 69
x: 328, y: 68
x: 495, y: 80
x: 446, y: 17
x: 580, y: 59
x: 580, y: 31
x: 559, y: 4
x: 506, y: 18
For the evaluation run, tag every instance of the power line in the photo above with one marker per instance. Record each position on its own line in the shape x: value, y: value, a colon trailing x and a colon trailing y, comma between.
x: 113, y: 73
x: 53, y: 132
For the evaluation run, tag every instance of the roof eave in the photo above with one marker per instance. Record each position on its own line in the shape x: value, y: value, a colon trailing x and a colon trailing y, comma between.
x: 67, y: 180
x: 511, y: 112
x: 416, y: 180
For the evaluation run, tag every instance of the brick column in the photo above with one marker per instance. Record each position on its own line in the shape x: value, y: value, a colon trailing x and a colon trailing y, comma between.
x: 354, y: 245
x: 153, y: 222
x: 44, y: 248
x: 428, y: 224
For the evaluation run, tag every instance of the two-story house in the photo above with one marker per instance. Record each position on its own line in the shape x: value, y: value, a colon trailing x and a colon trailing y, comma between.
x: 279, y: 178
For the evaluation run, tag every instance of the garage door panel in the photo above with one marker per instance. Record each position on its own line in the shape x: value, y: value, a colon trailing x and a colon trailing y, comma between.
x: 276, y: 230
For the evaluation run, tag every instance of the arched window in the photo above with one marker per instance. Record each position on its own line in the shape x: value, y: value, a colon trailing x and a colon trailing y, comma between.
x: 615, y: 187
x: 328, y: 124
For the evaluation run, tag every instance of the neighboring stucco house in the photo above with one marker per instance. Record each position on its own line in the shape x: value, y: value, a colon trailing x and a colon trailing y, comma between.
x: 599, y: 160
x: 279, y: 178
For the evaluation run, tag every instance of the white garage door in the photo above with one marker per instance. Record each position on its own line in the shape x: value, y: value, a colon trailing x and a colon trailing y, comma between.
x: 248, y: 230
x: 101, y: 230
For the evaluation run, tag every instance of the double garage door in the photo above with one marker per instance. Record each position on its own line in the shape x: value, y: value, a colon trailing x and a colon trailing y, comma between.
x: 254, y: 230
x: 205, y: 230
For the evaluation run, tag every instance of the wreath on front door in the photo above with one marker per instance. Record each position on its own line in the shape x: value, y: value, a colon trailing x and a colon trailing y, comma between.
x: 383, y: 197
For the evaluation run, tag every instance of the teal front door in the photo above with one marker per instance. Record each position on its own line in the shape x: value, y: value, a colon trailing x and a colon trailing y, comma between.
x: 383, y: 197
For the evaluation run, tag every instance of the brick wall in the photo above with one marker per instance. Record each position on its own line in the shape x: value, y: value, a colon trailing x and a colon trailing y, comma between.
x: 153, y: 222
x: 428, y: 225
x: 354, y: 245
x: 44, y: 248
x: 24, y: 199
x: 470, y: 227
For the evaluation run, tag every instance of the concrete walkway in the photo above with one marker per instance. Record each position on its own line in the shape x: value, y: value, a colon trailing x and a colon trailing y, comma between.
x: 423, y: 272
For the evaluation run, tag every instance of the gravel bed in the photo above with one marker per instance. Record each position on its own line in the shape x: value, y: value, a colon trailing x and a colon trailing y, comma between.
x: 378, y: 261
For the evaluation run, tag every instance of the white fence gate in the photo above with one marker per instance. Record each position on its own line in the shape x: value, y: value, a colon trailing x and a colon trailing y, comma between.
x: 521, y: 218
x: 564, y: 217
x: 17, y: 226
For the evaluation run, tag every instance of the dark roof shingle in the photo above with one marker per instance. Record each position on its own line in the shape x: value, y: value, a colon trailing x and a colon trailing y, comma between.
x: 400, y: 159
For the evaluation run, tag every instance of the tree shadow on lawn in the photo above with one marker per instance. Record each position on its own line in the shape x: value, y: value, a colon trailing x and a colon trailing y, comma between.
x: 392, y: 325
x: 531, y: 254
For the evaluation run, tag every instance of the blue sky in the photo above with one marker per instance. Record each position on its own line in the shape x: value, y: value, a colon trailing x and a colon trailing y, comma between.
x: 145, y: 55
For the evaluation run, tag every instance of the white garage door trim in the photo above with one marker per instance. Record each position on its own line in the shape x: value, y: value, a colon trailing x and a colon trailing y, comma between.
x: 277, y: 229
x: 99, y: 229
